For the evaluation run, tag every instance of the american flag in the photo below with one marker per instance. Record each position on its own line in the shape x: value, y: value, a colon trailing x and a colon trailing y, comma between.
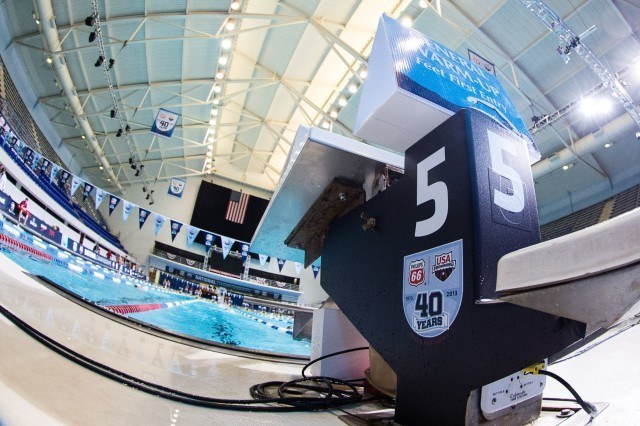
x: 237, y: 207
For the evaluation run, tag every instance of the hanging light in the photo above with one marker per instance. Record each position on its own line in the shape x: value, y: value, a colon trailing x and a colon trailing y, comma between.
x: 353, y: 88
x: 235, y: 5
x: 92, y: 36
x: 111, y: 63
x: 219, y: 75
x: 49, y: 60
x: 406, y: 21
x: 226, y: 43
x: 137, y: 172
x: 127, y: 128
x: 112, y: 114
x: 119, y: 133
x: 333, y: 113
x: 223, y: 60
x: 99, y: 61
x: 342, y: 101
x: 89, y: 21
x: 231, y: 25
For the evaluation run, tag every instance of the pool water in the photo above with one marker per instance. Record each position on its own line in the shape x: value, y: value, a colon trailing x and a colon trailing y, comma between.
x: 202, y: 319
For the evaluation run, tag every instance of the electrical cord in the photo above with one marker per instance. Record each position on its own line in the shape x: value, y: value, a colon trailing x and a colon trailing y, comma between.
x: 333, y: 393
x: 588, y: 407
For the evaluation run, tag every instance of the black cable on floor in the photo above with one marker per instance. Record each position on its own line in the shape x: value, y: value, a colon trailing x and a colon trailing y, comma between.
x: 586, y: 406
x: 337, y: 392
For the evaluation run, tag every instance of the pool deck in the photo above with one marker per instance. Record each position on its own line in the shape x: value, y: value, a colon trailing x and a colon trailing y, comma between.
x: 38, y: 386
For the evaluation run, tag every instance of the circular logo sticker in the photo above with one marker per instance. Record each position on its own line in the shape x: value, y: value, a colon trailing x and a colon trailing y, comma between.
x: 432, y: 288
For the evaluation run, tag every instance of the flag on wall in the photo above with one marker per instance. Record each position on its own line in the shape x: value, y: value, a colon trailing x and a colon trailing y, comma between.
x: 54, y: 172
x: 298, y: 267
x: 44, y: 165
x: 86, y: 191
x: 143, y: 215
x: 209, y: 238
x: 113, y: 203
x: 36, y: 160
x: 263, y: 259
x: 64, y: 177
x: 315, y: 269
x: 75, y: 183
x: 126, y: 210
x: 281, y: 264
x: 237, y: 207
x: 159, y: 221
x: 176, y: 187
x: 175, y: 228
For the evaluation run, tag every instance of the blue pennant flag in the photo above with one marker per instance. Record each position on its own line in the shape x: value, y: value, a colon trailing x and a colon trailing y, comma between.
x: 86, y: 191
x: 113, y: 203
x: 245, y: 252
x: 263, y: 259
x: 281, y: 264
x: 100, y: 194
x: 44, y: 165
x: 54, y: 172
x: 143, y: 215
x: 315, y: 269
x: 64, y: 177
x: 36, y: 160
x: 209, y: 238
x: 175, y: 228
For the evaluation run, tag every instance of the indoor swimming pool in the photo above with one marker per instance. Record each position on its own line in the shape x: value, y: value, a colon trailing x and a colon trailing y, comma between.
x: 177, y: 313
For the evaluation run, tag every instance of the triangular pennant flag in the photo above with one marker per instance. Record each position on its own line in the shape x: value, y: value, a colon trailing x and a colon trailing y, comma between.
x: 44, y: 165
x: 75, y: 183
x: 113, y: 203
x: 281, y: 264
x: 175, y: 228
x: 159, y: 221
x: 54, y: 172
x: 315, y: 269
x: 143, y: 215
x: 263, y: 259
x: 298, y: 267
x: 127, y: 207
x: 64, y: 177
x: 100, y: 193
x: 36, y: 160
x: 192, y: 233
x: 209, y: 238
x: 226, y: 246
x: 86, y: 190
x: 245, y: 252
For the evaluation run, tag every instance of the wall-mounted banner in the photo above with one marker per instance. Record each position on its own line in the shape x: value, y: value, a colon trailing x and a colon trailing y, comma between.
x: 86, y: 190
x: 237, y: 207
x: 209, y: 238
x: 64, y: 177
x: 143, y: 215
x: 245, y: 252
x: 298, y: 266
x: 100, y: 193
x: 127, y: 207
x: 176, y: 187
x: 159, y: 221
x: 281, y: 264
x: 192, y: 233
x: 75, y: 183
x: 263, y: 259
x: 175, y: 228
x: 164, y: 123
x: 113, y: 203
x: 315, y: 270
x: 54, y: 172
x: 226, y: 246
x: 36, y: 160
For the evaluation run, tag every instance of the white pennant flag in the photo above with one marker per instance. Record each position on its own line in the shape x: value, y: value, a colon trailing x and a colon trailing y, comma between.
x: 127, y: 207
x: 226, y: 246
x: 298, y: 267
x: 100, y: 193
x: 75, y: 183
x: 263, y: 259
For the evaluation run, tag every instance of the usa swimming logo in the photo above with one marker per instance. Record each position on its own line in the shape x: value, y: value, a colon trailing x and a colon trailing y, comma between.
x: 444, y: 266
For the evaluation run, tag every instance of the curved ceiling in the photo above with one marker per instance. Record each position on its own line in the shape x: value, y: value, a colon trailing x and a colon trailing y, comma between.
x: 245, y: 74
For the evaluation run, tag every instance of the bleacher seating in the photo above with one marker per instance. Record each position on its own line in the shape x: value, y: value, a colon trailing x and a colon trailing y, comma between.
x: 626, y: 201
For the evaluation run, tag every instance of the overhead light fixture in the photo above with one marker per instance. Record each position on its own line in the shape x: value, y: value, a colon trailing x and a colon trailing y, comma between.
x: 35, y: 17
x: 138, y: 172
x: 211, y: 139
x: 111, y: 63
x: 144, y: 189
x: 423, y: 4
x: 231, y: 25
x: 127, y: 128
x: 595, y: 105
x: 333, y: 113
x: 148, y: 196
x: 406, y: 21
x: 99, y: 61
x: 342, y: 101
x: 219, y: 75
x: 235, y: 5
x: 212, y: 122
x: 353, y: 88
x: 92, y: 36
x: 130, y: 160
x: 226, y: 43
x: 119, y: 133
x: 608, y: 144
x: 217, y: 88
x: 101, y: 168
x: 89, y: 21
x: 112, y: 114
x: 216, y: 101
x: 83, y: 136
x: 325, y: 124
x: 567, y: 166
x: 49, y: 60
x: 223, y: 60
x: 363, y: 73
x: 133, y: 166
x: 214, y: 112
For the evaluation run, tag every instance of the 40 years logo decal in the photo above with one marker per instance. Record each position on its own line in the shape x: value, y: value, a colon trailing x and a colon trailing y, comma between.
x: 432, y: 288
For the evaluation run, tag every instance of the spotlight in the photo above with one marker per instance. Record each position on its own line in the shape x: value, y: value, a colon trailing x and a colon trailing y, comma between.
x: 141, y: 166
x: 133, y: 166
x: 113, y: 113
x: 144, y: 189
x: 137, y: 172
x: 148, y: 196
x: 151, y: 202
x: 92, y: 36
x: 127, y: 128
x: 130, y: 160
x: 111, y: 63
x: 152, y: 191
x: 89, y: 21
x: 99, y: 61
x: 119, y: 133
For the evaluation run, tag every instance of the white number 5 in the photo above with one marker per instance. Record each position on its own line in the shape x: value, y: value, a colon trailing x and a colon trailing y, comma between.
x: 511, y: 202
x: 436, y: 191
